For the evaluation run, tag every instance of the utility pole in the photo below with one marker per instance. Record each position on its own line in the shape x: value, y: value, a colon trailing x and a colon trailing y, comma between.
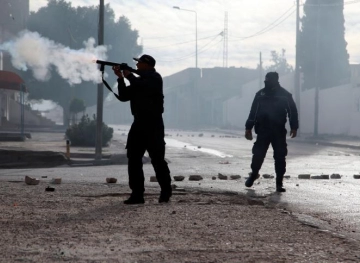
x: 260, y: 73
x: 100, y: 91
x: 297, y: 56
x: 225, y: 47
x: 316, y: 110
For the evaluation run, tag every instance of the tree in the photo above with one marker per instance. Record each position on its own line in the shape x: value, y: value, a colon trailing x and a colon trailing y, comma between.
x: 70, y: 26
x: 76, y: 106
x: 324, y: 60
x: 280, y: 64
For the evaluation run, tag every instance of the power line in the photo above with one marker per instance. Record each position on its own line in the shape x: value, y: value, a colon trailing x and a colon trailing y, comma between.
x: 269, y: 27
x: 201, y: 50
x: 155, y: 38
x: 181, y: 43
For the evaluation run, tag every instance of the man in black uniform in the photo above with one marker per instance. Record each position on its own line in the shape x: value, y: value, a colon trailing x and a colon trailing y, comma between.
x: 145, y: 94
x: 268, y: 113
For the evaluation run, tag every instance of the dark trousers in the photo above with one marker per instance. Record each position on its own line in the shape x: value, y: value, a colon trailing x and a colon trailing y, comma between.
x: 147, y: 136
x: 261, y: 145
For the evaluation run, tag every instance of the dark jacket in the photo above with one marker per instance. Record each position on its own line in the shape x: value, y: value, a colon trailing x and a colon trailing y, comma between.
x: 270, y: 109
x: 145, y: 94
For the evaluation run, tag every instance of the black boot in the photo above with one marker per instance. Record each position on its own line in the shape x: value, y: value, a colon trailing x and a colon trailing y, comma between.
x: 134, y: 200
x: 279, y: 184
x: 250, y: 181
x: 165, y: 195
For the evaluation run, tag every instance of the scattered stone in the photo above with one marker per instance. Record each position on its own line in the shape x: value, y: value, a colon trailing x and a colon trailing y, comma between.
x: 199, y: 147
x: 31, y: 181
x: 201, y: 135
x: 195, y: 177
x: 56, y: 181
x: 49, y: 189
x: 214, y: 177
x: 222, y: 177
x: 304, y: 176
x: 179, y: 178
x: 316, y: 177
x: 235, y: 177
x: 266, y: 176
x: 153, y: 179
x: 297, y: 184
x: 356, y: 176
x: 212, y: 136
x: 287, y: 176
x: 111, y: 180
x: 335, y: 176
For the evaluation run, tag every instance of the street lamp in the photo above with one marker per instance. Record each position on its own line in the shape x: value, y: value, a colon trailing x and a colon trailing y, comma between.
x: 196, y: 52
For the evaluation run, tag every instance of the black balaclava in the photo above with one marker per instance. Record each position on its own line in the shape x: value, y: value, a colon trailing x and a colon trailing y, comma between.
x: 271, y: 80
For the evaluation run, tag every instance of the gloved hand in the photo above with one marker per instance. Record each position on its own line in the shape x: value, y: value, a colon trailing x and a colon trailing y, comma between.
x: 248, y: 135
x: 293, y: 133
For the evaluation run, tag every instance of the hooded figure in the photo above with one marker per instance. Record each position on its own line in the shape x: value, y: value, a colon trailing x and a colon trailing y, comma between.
x: 270, y: 109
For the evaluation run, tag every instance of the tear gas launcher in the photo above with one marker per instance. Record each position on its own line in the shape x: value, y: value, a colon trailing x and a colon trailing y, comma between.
x: 123, y: 66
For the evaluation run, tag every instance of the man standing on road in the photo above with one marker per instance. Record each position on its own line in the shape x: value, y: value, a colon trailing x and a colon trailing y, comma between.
x: 268, y: 113
x: 145, y: 94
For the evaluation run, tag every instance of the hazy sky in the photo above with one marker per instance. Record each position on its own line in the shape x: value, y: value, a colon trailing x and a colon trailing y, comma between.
x: 168, y: 34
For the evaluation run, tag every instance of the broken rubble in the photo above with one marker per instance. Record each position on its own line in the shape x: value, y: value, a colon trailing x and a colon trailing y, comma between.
x: 335, y: 176
x: 111, y: 180
x: 195, y: 178
x: 153, y: 179
x: 56, y: 181
x: 222, y: 177
x: 304, y: 176
x: 31, y: 181
x: 179, y: 178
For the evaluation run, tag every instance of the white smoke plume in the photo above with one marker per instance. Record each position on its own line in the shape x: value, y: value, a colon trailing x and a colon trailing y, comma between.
x: 32, y: 51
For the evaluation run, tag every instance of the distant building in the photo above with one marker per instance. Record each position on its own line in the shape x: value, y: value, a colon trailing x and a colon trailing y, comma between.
x: 355, y: 75
x: 195, y: 97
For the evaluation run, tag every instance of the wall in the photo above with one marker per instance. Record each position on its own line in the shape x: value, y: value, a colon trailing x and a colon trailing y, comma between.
x: 237, y: 109
x: 339, y: 108
x: 30, y: 117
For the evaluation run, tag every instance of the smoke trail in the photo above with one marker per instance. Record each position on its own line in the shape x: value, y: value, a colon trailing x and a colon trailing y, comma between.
x: 31, y: 51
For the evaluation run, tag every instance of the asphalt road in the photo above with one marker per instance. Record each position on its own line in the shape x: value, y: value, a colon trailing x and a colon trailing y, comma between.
x: 333, y: 204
